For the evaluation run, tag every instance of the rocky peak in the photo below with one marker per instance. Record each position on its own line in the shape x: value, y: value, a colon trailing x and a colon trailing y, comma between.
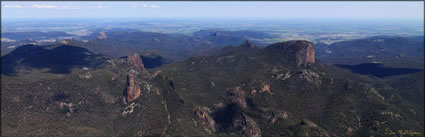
x: 247, y: 44
x: 102, y: 35
x: 65, y: 42
x: 237, y: 96
x: 299, y: 50
x: 136, y: 61
x: 133, y: 89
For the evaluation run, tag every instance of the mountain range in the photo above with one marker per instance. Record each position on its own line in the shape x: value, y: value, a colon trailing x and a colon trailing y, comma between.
x: 283, y: 89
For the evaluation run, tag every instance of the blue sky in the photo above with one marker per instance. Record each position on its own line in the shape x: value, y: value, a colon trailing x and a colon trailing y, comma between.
x: 278, y: 10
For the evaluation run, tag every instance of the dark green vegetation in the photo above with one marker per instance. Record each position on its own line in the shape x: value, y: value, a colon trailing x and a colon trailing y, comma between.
x: 61, y: 59
x: 377, y: 70
x: 279, y: 90
x: 407, y: 52
x: 397, y: 60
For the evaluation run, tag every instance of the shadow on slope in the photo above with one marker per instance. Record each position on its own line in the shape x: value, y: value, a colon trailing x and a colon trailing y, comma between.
x: 378, y: 70
x: 59, y: 60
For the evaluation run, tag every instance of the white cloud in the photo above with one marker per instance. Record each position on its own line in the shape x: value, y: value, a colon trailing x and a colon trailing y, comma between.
x: 13, y: 6
x: 145, y: 6
x: 154, y: 6
x: 69, y: 7
x: 101, y: 7
x: 43, y: 6
x: 96, y: 7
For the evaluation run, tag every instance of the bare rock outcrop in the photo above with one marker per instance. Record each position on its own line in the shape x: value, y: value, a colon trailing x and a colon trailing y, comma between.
x: 129, y: 109
x: 237, y: 96
x: 372, y: 90
x: 102, y: 35
x: 272, y: 116
x: 67, y: 108
x: 247, y: 125
x: 279, y: 74
x: 85, y: 76
x: 310, y: 76
x: 266, y: 88
x: 136, y: 61
x: 300, y: 51
x: 133, y: 89
x: 203, y: 114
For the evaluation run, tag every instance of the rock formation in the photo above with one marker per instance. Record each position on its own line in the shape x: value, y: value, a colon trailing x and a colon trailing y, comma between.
x: 247, y: 125
x: 247, y: 44
x: 129, y: 109
x: 85, y: 76
x: 133, y: 89
x: 299, y: 50
x: 136, y: 61
x: 203, y: 114
x: 237, y: 96
x: 102, y: 35
x: 251, y: 129
x: 266, y: 88
x: 310, y: 76
x: 67, y: 108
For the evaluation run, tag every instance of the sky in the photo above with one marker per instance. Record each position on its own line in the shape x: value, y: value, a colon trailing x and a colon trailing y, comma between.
x: 242, y: 9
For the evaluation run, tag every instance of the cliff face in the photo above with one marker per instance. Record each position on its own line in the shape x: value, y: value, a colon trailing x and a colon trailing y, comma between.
x: 306, y: 55
x: 136, y: 61
x: 300, y: 51
x: 133, y: 89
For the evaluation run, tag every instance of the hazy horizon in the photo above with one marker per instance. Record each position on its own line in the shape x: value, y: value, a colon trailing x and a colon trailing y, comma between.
x: 215, y: 10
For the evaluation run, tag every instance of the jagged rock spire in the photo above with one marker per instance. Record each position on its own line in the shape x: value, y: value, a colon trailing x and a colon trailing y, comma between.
x: 247, y: 44
x: 133, y: 90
